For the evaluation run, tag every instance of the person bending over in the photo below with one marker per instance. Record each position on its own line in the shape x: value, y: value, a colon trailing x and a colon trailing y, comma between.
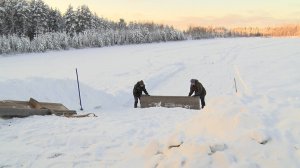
x: 138, y: 89
x: 199, y: 90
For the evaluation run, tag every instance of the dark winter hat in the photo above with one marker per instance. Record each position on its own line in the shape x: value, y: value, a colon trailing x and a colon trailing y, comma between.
x: 142, y: 82
x: 193, y: 81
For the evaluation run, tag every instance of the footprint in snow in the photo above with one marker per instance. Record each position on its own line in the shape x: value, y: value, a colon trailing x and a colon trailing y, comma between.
x: 260, y: 136
x: 217, y: 147
x: 55, y: 155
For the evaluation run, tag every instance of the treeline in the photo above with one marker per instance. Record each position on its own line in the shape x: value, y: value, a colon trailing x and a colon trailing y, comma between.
x: 33, y: 26
x: 207, y: 32
x: 87, y: 38
x: 290, y: 30
x: 213, y: 32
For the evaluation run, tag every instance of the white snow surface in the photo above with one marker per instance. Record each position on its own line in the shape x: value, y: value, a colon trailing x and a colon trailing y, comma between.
x: 256, y: 127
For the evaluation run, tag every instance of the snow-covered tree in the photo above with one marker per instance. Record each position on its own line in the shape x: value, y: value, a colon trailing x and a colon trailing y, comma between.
x: 122, y: 24
x: 39, y: 44
x: 55, y: 21
x: 70, y: 21
x: 34, y: 27
x: 39, y: 15
x: 85, y: 20
x: 2, y: 11
x: 13, y: 17
x: 4, y: 45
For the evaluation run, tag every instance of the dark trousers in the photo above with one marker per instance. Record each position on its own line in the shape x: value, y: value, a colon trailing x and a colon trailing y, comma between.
x: 136, y: 99
x: 202, y: 101
x: 202, y: 97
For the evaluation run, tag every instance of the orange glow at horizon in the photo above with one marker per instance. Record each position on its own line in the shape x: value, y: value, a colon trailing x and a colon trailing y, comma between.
x: 182, y: 14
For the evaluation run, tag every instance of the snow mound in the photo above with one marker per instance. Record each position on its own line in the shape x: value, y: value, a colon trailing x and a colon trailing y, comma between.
x: 56, y: 90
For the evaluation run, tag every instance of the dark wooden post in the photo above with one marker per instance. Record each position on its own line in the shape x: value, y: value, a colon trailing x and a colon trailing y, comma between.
x: 79, y: 90
x: 235, y: 85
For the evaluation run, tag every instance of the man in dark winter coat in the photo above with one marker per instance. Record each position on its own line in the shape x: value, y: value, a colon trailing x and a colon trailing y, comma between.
x: 139, y: 87
x: 199, y: 90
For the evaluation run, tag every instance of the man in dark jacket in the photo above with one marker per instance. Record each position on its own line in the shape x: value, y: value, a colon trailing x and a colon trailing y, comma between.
x: 199, y: 90
x: 139, y: 87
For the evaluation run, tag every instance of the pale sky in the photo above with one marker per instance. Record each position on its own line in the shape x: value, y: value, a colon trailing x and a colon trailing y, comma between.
x: 183, y: 13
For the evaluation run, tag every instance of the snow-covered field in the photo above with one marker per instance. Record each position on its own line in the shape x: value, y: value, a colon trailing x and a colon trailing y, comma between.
x: 256, y: 127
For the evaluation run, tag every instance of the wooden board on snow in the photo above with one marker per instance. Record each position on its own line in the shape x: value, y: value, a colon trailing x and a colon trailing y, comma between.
x: 170, y: 102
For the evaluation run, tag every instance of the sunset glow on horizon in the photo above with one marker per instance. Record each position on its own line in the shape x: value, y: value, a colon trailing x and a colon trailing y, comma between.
x: 184, y: 13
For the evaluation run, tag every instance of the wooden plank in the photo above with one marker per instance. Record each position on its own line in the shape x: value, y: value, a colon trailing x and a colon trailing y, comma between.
x: 14, y: 104
x: 10, y: 109
x: 45, y: 105
x: 34, y: 104
x: 170, y: 102
x: 14, y: 112
x: 54, y: 106
x: 63, y: 112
